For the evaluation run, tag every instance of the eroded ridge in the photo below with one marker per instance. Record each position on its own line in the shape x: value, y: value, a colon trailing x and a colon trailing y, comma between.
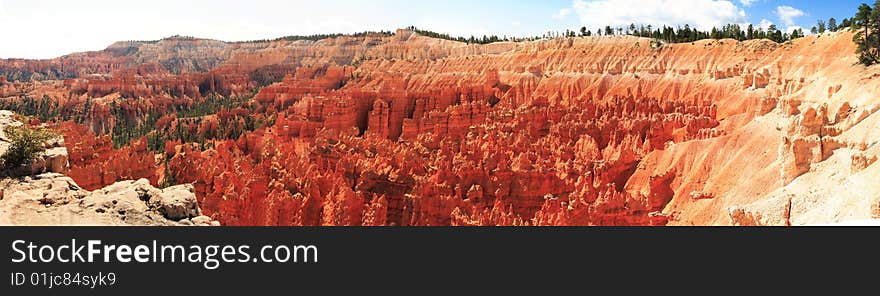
x: 404, y: 129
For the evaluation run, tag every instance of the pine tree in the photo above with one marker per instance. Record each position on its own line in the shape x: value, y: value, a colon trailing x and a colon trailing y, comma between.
x: 864, y: 22
x: 774, y: 34
x: 874, y: 25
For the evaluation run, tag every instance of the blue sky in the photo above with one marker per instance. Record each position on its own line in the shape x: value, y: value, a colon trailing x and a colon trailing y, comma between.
x: 50, y: 28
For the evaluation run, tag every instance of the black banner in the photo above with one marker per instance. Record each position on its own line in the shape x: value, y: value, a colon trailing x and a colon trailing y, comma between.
x: 408, y: 260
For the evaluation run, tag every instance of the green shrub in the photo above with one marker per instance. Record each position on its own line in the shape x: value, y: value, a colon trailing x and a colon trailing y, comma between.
x: 26, y: 144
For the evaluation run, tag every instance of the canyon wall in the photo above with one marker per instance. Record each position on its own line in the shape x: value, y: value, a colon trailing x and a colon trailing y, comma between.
x: 411, y: 130
x: 39, y: 194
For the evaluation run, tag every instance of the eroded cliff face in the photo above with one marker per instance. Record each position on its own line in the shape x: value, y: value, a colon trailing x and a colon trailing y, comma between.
x: 410, y: 130
x: 39, y: 194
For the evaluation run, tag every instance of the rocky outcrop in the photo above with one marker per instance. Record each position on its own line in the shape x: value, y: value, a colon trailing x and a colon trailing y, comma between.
x: 55, y: 199
x: 53, y: 159
x: 771, y: 212
x: 41, y: 195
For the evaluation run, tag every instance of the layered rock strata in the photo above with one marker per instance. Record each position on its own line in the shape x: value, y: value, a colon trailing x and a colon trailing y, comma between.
x: 410, y: 130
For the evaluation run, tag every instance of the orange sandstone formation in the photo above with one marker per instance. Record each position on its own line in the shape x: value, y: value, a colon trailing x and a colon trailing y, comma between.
x: 410, y: 130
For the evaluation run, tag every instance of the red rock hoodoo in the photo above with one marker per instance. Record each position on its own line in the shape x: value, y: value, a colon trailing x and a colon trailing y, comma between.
x: 408, y: 130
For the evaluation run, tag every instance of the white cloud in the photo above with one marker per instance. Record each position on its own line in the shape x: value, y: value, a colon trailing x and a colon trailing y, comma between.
x: 516, y: 24
x: 787, y: 16
x: 765, y: 24
x: 792, y: 28
x: 704, y: 14
x: 563, y: 13
x: 747, y: 2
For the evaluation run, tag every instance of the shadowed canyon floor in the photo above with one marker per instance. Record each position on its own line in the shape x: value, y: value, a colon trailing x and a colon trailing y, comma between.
x: 404, y: 129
